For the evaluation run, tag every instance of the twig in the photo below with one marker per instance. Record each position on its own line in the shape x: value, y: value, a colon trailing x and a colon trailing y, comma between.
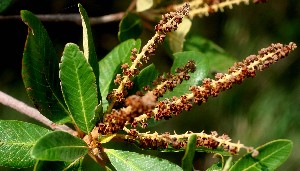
x: 21, y: 107
x: 131, y: 6
x: 71, y: 18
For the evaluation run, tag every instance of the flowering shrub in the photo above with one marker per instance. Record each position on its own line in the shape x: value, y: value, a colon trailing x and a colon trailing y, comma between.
x: 110, y: 102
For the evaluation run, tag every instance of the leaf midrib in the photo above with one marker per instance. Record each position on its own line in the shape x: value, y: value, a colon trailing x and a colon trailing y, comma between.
x: 259, y: 163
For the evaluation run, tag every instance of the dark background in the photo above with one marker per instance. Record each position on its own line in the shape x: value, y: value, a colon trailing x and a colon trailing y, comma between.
x: 260, y: 110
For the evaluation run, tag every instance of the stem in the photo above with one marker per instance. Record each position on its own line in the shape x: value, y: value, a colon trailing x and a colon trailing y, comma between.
x: 23, y: 108
x: 72, y: 18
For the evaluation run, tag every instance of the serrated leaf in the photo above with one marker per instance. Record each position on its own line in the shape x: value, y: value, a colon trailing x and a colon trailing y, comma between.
x: 125, y: 161
x: 187, y: 160
x: 58, y: 166
x: 79, y: 87
x: 271, y: 156
x: 4, y: 4
x: 40, y: 71
x: 59, y: 146
x: 145, y: 77
x: 219, y: 60
x: 16, y: 140
x: 176, y: 38
x: 180, y: 59
x: 110, y: 66
x: 88, y: 45
x: 130, y: 27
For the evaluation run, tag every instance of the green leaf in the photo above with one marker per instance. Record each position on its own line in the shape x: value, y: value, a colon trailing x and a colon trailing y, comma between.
x: 4, y: 4
x: 40, y: 71
x: 176, y: 38
x: 110, y: 66
x: 219, y: 60
x: 16, y: 140
x: 187, y: 160
x: 270, y: 157
x: 146, y: 77
x: 59, y: 146
x: 180, y: 59
x: 215, y: 167
x: 125, y: 160
x: 58, y: 166
x: 88, y: 45
x: 130, y: 27
x: 98, y: 112
x: 142, y: 5
x: 79, y: 87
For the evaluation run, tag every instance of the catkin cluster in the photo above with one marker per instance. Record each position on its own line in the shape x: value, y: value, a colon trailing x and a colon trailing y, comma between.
x: 166, y: 140
x: 137, y: 109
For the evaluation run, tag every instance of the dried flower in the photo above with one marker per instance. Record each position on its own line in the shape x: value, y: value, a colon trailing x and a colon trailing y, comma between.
x: 166, y: 140
x: 205, y: 7
x: 212, y: 87
x: 169, y: 22
x: 170, y: 81
x: 136, y: 106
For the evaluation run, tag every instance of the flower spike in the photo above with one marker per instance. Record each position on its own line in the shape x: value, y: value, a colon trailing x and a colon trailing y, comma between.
x: 212, y: 87
x: 169, y: 22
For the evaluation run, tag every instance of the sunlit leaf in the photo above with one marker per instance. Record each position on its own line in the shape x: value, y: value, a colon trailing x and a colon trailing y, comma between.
x: 271, y: 155
x: 79, y: 87
x: 59, y: 146
x: 16, y: 141
x: 142, y: 5
x: 88, y: 44
x: 125, y: 160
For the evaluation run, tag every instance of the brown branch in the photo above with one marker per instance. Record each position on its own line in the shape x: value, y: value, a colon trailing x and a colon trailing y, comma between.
x: 23, y: 108
x: 71, y: 18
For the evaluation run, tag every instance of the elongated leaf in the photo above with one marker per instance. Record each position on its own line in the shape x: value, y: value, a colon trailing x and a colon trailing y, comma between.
x: 125, y: 160
x: 57, y: 166
x: 40, y: 71
x: 16, y: 140
x: 180, y: 59
x: 88, y: 44
x: 130, y: 27
x: 59, y: 146
x: 4, y: 4
x: 110, y: 66
x: 187, y: 160
x: 271, y: 155
x: 79, y: 87
x: 213, y: 52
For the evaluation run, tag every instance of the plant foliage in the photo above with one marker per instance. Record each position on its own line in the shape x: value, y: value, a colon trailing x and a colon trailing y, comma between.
x: 111, y: 101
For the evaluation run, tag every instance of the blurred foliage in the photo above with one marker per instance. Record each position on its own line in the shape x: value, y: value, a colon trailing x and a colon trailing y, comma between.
x: 260, y: 110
